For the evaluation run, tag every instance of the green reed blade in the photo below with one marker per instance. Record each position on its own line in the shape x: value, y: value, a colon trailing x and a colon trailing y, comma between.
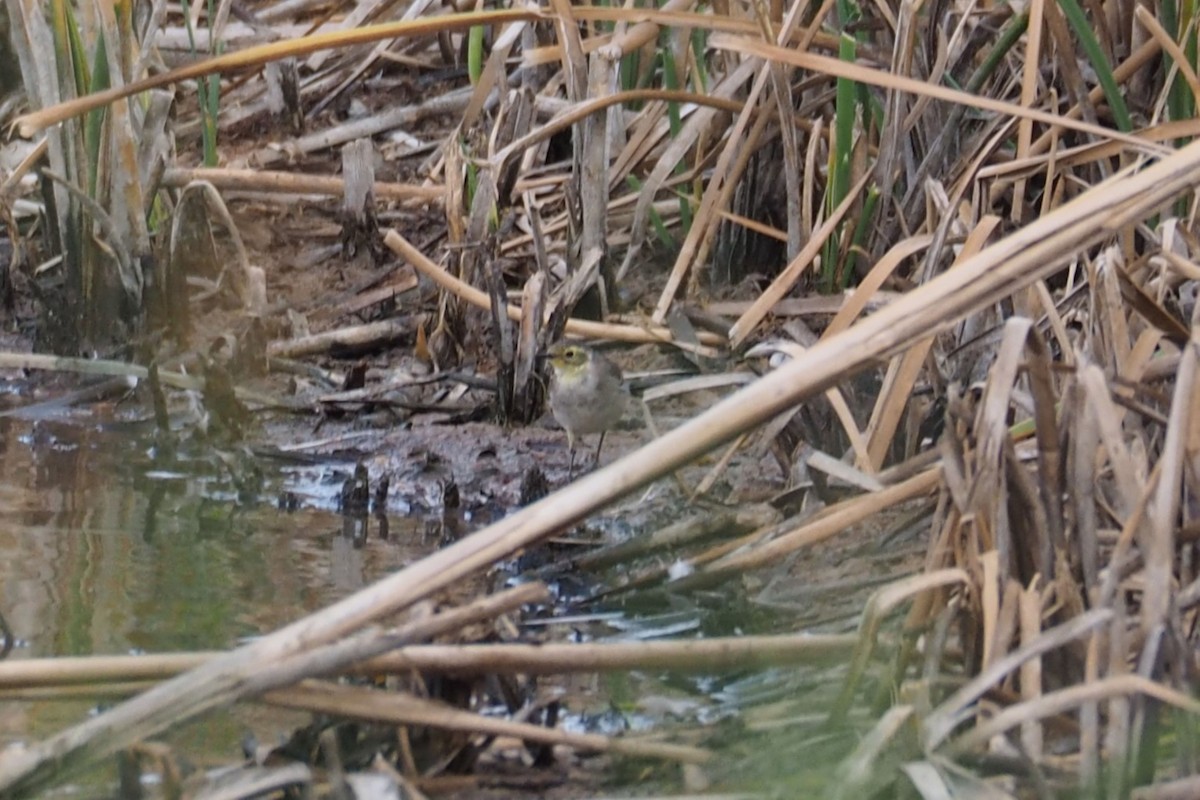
x: 1095, y: 53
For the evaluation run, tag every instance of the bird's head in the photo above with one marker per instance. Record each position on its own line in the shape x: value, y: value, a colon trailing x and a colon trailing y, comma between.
x: 569, y: 360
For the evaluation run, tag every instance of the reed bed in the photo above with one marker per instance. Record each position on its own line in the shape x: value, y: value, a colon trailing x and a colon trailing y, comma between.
x: 990, y: 211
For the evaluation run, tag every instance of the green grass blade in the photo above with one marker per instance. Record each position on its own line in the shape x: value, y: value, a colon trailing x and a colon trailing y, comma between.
x: 1009, y: 36
x: 845, y: 110
x: 208, y: 92
x: 1099, y: 62
x: 674, y: 119
x: 74, y: 50
x: 627, y: 70
x: 93, y: 136
x: 1177, y: 19
x: 475, y: 54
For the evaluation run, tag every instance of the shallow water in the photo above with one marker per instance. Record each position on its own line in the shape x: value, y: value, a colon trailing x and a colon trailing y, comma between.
x: 111, y: 545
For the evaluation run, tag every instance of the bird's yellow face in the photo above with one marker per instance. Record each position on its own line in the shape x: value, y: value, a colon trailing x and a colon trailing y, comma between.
x: 570, y: 361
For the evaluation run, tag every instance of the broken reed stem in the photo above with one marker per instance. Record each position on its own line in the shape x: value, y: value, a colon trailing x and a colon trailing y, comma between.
x: 366, y: 336
x: 99, y: 366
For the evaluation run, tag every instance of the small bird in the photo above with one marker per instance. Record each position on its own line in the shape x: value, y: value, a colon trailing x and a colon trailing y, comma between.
x: 586, y: 394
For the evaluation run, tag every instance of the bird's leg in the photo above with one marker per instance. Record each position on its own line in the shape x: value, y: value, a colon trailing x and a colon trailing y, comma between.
x: 570, y: 455
x: 599, y: 447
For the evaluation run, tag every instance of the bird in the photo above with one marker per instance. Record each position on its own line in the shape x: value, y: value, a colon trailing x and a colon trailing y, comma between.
x: 587, y: 394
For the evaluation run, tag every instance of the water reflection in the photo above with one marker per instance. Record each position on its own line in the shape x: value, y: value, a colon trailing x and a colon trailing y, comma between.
x: 108, y: 546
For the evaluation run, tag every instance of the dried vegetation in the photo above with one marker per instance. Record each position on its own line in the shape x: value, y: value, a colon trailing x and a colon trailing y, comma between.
x: 1008, y: 189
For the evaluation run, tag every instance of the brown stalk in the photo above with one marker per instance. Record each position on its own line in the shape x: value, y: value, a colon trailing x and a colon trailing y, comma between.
x: 31, y: 123
x: 1030, y: 79
x: 718, y: 654
x: 1031, y: 671
x: 697, y: 126
x: 716, y: 193
x: 1158, y: 545
x: 355, y: 336
x: 256, y: 180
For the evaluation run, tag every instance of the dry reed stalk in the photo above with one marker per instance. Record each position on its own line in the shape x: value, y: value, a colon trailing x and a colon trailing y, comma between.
x: 718, y: 654
x: 370, y: 335
x: 1030, y: 80
x: 269, y: 181
x: 256, y: 56
x: 834, y: 395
